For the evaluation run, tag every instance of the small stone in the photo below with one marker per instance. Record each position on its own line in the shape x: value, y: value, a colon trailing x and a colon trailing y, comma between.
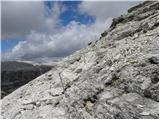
x: 104, y: 33
x: 25, y: 102
x: 112, y: 68
x: 140, y: 106
x: 89, y: 43
x: 55, y: 91
x: 145, y: 113
x: 109, y: 62
x: 49, y: 74
x: 38, y: 104
x: 146, y: 84
x: 135, y: 35
x: 54, y: 101
x: 108, y: 81
x: 78, y: 70
x: 29, y: 107
x: 106, y: 95
x: 49, y: 78
x: 89, y: 105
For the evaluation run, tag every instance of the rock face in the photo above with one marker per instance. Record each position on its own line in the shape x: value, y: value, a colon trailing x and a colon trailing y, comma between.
x: 15, y: 74
x: 115, y: 77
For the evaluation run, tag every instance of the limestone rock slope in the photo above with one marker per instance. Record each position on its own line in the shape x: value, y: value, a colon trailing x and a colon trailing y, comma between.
x: 15, y: 74
x: 114, y: 77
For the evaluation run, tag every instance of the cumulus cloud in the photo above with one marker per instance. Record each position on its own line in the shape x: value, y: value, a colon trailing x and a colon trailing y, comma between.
x: 64, y: 40
x: 103, y: 10
x: 19, y: 18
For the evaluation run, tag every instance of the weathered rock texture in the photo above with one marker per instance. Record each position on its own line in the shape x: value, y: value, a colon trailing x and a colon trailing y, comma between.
x: 15, y: 74
x: 115, y: 77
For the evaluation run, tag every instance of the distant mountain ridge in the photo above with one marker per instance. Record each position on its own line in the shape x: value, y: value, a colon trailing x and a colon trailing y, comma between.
x: 15, y: 74
x: 16, y: 66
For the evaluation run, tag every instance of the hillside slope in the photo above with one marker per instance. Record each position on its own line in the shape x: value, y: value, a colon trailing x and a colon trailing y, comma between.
x: 114, y: 77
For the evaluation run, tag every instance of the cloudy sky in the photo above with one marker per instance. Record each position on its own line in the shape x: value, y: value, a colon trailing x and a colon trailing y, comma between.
x: 37, y: 30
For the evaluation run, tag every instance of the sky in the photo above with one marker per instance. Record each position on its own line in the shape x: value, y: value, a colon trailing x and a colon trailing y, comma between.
x: 54, y: 29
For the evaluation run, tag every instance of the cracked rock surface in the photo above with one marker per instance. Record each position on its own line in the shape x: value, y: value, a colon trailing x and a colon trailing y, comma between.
x: 114, y: 77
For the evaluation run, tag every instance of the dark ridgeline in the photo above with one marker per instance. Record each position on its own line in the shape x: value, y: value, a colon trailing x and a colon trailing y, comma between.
x: 15, y: 74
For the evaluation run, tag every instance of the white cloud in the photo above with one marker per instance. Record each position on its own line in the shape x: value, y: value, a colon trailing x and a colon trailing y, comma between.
x: 103, y: 10
x: 19, y: 18
x: 63, y: 40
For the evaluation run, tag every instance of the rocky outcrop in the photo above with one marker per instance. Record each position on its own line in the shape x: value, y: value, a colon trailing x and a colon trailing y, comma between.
x: 114, y: 77
x: 15, y: 74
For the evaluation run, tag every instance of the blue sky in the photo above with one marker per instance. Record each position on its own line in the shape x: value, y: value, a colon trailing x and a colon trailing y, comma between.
x: 7, y: 44
x: 35, y: 30
x: 71, y: 14
x: 65, y: 18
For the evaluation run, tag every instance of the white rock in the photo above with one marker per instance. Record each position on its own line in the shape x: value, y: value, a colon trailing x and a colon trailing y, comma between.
x: 145, y: 113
